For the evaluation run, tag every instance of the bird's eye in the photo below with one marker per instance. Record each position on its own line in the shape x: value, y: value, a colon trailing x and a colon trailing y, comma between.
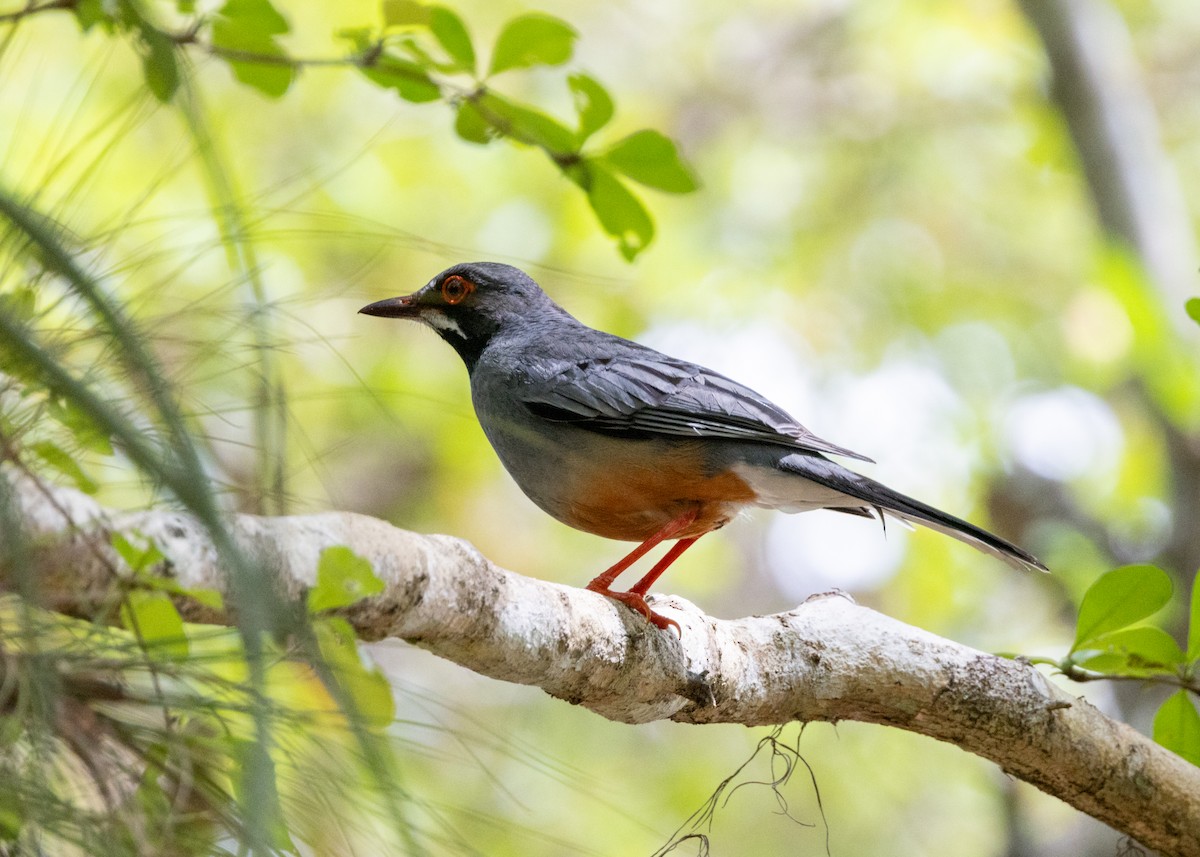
x: 455, y: 289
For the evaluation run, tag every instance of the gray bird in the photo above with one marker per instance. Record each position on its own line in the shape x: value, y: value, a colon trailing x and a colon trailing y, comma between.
x: 617, y: 439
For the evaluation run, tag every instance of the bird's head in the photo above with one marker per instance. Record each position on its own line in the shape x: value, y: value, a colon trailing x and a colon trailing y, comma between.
x: 470, y: 303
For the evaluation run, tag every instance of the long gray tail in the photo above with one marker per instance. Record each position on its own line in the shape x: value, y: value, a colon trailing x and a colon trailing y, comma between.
x: 881, y: 499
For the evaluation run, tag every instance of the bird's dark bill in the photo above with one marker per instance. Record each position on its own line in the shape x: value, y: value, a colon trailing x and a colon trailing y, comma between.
x: 403, y: 307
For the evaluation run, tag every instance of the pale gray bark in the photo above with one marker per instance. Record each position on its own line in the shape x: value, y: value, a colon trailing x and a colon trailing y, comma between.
x: 828, y: 659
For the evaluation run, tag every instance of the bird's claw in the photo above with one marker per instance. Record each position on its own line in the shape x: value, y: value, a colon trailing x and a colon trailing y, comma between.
x: 636, y: 601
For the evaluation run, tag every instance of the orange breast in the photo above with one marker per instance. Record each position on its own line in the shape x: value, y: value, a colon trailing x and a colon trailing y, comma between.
x: 636, y: 488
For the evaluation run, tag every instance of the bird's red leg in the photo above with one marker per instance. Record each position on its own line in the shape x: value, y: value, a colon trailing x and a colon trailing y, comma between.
x: 643, y: 585
x: 602, y: 582
x: 636, y: 597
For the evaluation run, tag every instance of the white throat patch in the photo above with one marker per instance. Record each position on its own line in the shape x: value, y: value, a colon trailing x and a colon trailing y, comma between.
x: 440, y: 321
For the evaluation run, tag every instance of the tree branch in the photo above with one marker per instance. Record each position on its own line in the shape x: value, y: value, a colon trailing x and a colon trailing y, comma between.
x: 32, y: 8
x: 828, y: 659
x: 1096, y: 83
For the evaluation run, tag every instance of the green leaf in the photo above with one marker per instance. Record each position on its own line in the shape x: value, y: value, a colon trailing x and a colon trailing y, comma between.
x: 160, y: 66
x: 363, y: 39
x: 1177, y: 726
x: 139, y: 552
x: 58, y: 459
x: 367, y: 687
x: 20, y: 303
x: 620, y: 212
x: 257, y: 19
x: 1120, y: 598
x: 452, y: 35
x: 526, y: 125
x: 592, y: 103
x: 1193, y: 646
x: 446, y: 26
x: 83, y: 427
x: 650, y: 158
x: 343, y: 577
x: 1134, y: 650
x: 409, y: 79
x: 1193, y: 309
x: 142, y: 555
x: 472, y: 127
x: 250, y: 27
x: 89, y: 13
x: 531, y: 40
x: 15, y: 364
x: 153, y: 617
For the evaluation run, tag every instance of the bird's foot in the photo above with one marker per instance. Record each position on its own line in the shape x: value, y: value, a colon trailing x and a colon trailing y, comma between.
x: 636, y: 601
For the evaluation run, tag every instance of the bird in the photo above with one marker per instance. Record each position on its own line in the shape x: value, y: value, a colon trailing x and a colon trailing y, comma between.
x: 622, y: 441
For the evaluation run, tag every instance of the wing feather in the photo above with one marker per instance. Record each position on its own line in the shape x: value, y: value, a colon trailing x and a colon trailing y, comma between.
x: 643, y: 392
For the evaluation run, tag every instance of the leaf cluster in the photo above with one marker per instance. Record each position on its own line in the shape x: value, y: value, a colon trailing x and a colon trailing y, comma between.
x: 1114, y: 641
x: 424, y: 53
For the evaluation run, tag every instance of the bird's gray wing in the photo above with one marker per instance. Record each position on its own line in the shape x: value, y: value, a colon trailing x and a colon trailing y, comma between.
x: 641, y: 393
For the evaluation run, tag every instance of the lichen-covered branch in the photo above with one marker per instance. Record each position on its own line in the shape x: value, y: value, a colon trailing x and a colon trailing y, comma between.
x: 828, y: 659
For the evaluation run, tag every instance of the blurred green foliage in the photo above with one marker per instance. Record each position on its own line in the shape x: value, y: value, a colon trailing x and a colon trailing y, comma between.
x: 892, y: 238
x: 424, y: 53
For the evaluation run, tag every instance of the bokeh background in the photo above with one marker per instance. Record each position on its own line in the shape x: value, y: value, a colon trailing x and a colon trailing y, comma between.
x: 895, y: 240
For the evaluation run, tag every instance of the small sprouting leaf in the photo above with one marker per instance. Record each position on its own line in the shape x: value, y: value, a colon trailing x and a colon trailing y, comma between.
x: 525, y: 124
x: 650, y: 158
x: 20, y: 303
x: 1134, y: 650
x: 160, y: 67
x: 363, y: 39
x: 1177, y: 726
x: 16, y: 363
x: 445, y: 25
x: 1193, y: 309
x: 1119, y: 598
x: 84, y: 430
x: 343, y: 577
x: 367, y: 687
x: 210, y: 598
x: 472, y: 127
x: 533, y: 39
x: 1193, y: 650
x: 408, y: 78
x: 592, y: 102
x: 250, y: 27
x: 141, y: 555
x: 452, y: 35
x: 156, y: 622
x: 620, y: 212
x: 58, y: 459
x: 139, y: 552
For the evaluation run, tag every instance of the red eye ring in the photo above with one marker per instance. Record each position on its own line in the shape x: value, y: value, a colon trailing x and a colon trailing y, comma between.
x: 455, y: 289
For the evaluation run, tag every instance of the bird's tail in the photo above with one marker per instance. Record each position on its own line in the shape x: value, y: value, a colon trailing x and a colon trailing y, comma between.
x: 881, y: 499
